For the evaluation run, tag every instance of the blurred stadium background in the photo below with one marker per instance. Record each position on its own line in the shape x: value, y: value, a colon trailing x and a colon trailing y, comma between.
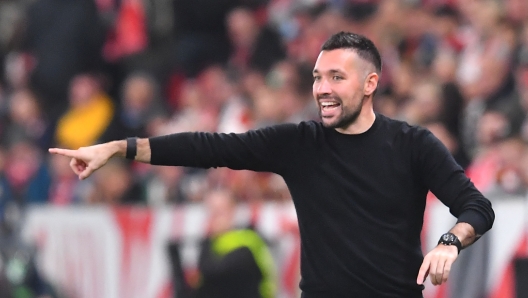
x: 77, y: 72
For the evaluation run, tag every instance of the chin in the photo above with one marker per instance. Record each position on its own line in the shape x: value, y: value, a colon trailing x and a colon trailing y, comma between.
x: 329, y: 123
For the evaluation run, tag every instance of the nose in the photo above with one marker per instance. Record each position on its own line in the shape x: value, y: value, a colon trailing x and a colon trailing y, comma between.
x: 323, y: 87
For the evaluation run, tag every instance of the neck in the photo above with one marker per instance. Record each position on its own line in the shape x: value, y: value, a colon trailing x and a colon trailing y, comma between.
x: 364, y: 121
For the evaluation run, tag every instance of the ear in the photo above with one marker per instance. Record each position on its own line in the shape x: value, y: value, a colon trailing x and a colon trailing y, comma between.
x: 371, y: 83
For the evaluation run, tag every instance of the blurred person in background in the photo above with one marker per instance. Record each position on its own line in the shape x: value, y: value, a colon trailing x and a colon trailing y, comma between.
x: 64, y: 38
x: 522, y: 47
x: 521, y: 78
x: 516, y: 11
x: 418, y: 45
x: 19, y: 273
x: 449, y: 44
x: 523, y: 167
x: 89, y: 113
x: 26, y: 120
x: 267, y: 108
x: 163, y: 186
x: 139, y: 105
x: 493, y: 127
x: 254, y: 46
x: 201, y: 37
x: 311, y: 24
x: 401, y: 86
x: 25, y: 178
x: 234, y: 261
x: 114, y: 186
x: 20, y: 276
x: 293, y: 83
x: 453, y: 102
x: 424, y: 104
x: 446, y: 30
x: 509, y: 181
x: 488, y: 49
x: 202, y: 101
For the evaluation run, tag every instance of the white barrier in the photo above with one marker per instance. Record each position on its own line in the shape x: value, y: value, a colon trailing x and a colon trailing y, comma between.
x: 122, y: 252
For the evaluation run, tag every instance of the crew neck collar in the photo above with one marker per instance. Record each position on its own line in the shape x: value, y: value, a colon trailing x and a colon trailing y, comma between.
x: 367, y: 132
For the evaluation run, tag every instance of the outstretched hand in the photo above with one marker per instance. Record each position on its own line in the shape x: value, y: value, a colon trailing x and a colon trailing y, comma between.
x: 437, y: 264
x: 85, y: 160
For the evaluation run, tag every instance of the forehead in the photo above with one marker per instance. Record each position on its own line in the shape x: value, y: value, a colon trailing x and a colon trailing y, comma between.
x: 339, y: 59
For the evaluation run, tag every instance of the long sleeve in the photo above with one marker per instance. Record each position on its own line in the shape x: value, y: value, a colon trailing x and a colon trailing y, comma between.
x: 448, y: 181
x: 267, y: 149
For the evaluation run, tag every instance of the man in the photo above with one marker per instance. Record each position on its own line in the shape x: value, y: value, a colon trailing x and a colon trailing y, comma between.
x: 234, y: 262
x: 358, y: 181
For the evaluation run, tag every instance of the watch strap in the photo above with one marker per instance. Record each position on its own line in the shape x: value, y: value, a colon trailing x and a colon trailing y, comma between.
x: 131, y: 148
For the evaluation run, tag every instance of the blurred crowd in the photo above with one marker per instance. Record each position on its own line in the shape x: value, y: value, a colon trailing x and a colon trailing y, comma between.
x: 76, y: 73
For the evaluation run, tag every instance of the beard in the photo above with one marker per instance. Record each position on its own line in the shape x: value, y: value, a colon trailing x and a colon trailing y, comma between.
x: 348, y: 115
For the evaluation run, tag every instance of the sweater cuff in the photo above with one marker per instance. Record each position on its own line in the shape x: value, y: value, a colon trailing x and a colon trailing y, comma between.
x: 476, y: 220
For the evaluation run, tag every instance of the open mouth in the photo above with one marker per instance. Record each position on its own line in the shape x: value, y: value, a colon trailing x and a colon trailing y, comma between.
x: 328, y: 107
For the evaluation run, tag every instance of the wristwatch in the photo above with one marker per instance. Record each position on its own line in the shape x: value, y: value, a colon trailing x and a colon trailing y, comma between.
x: 450, y: 239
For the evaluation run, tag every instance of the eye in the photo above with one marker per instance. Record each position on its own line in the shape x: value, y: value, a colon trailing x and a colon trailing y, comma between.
x: 337, y: 78
x: 316, y: 78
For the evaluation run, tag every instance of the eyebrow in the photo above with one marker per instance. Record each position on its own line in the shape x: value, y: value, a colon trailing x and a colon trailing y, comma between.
x: 330, y: 71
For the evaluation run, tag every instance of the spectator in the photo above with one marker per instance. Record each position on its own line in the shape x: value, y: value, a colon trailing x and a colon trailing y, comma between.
x: 25, y: 178
x: 26, y: 121
x: 116, y: 185
x: 164, y: 186
x: 233, y: 262
x: 489, y: 49
x: 88, y: 115
x: 65, y: 38
x: 492, y: 128
x: 255, y: 47
x: 509, y: 181
x: 201, y: 34
x: 425, y: 104
x: 140, y: 104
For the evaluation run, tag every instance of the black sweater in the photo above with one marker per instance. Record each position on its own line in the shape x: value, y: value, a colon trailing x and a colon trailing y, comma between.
x: 360, y: 198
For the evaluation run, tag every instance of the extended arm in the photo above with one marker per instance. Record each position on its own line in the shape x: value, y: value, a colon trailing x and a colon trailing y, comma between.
x: 266, y: 149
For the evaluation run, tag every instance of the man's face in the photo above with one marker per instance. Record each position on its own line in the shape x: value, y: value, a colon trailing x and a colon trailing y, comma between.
x: 338, y: 88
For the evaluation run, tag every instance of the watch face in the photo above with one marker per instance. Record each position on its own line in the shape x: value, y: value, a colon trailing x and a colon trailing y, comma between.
x: 450, y: 239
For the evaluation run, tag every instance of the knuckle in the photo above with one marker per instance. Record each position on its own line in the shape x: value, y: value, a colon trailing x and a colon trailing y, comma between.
x: 432, y: 273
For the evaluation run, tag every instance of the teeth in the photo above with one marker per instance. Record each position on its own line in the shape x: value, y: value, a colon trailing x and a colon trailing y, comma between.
x: 326, y: 104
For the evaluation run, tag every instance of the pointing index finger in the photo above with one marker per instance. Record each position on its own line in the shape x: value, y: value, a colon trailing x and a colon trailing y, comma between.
x: 424, y: 271
x: 64, y: 152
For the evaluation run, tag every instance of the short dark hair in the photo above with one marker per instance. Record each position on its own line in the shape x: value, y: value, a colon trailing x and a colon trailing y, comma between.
x: 363, y: 46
